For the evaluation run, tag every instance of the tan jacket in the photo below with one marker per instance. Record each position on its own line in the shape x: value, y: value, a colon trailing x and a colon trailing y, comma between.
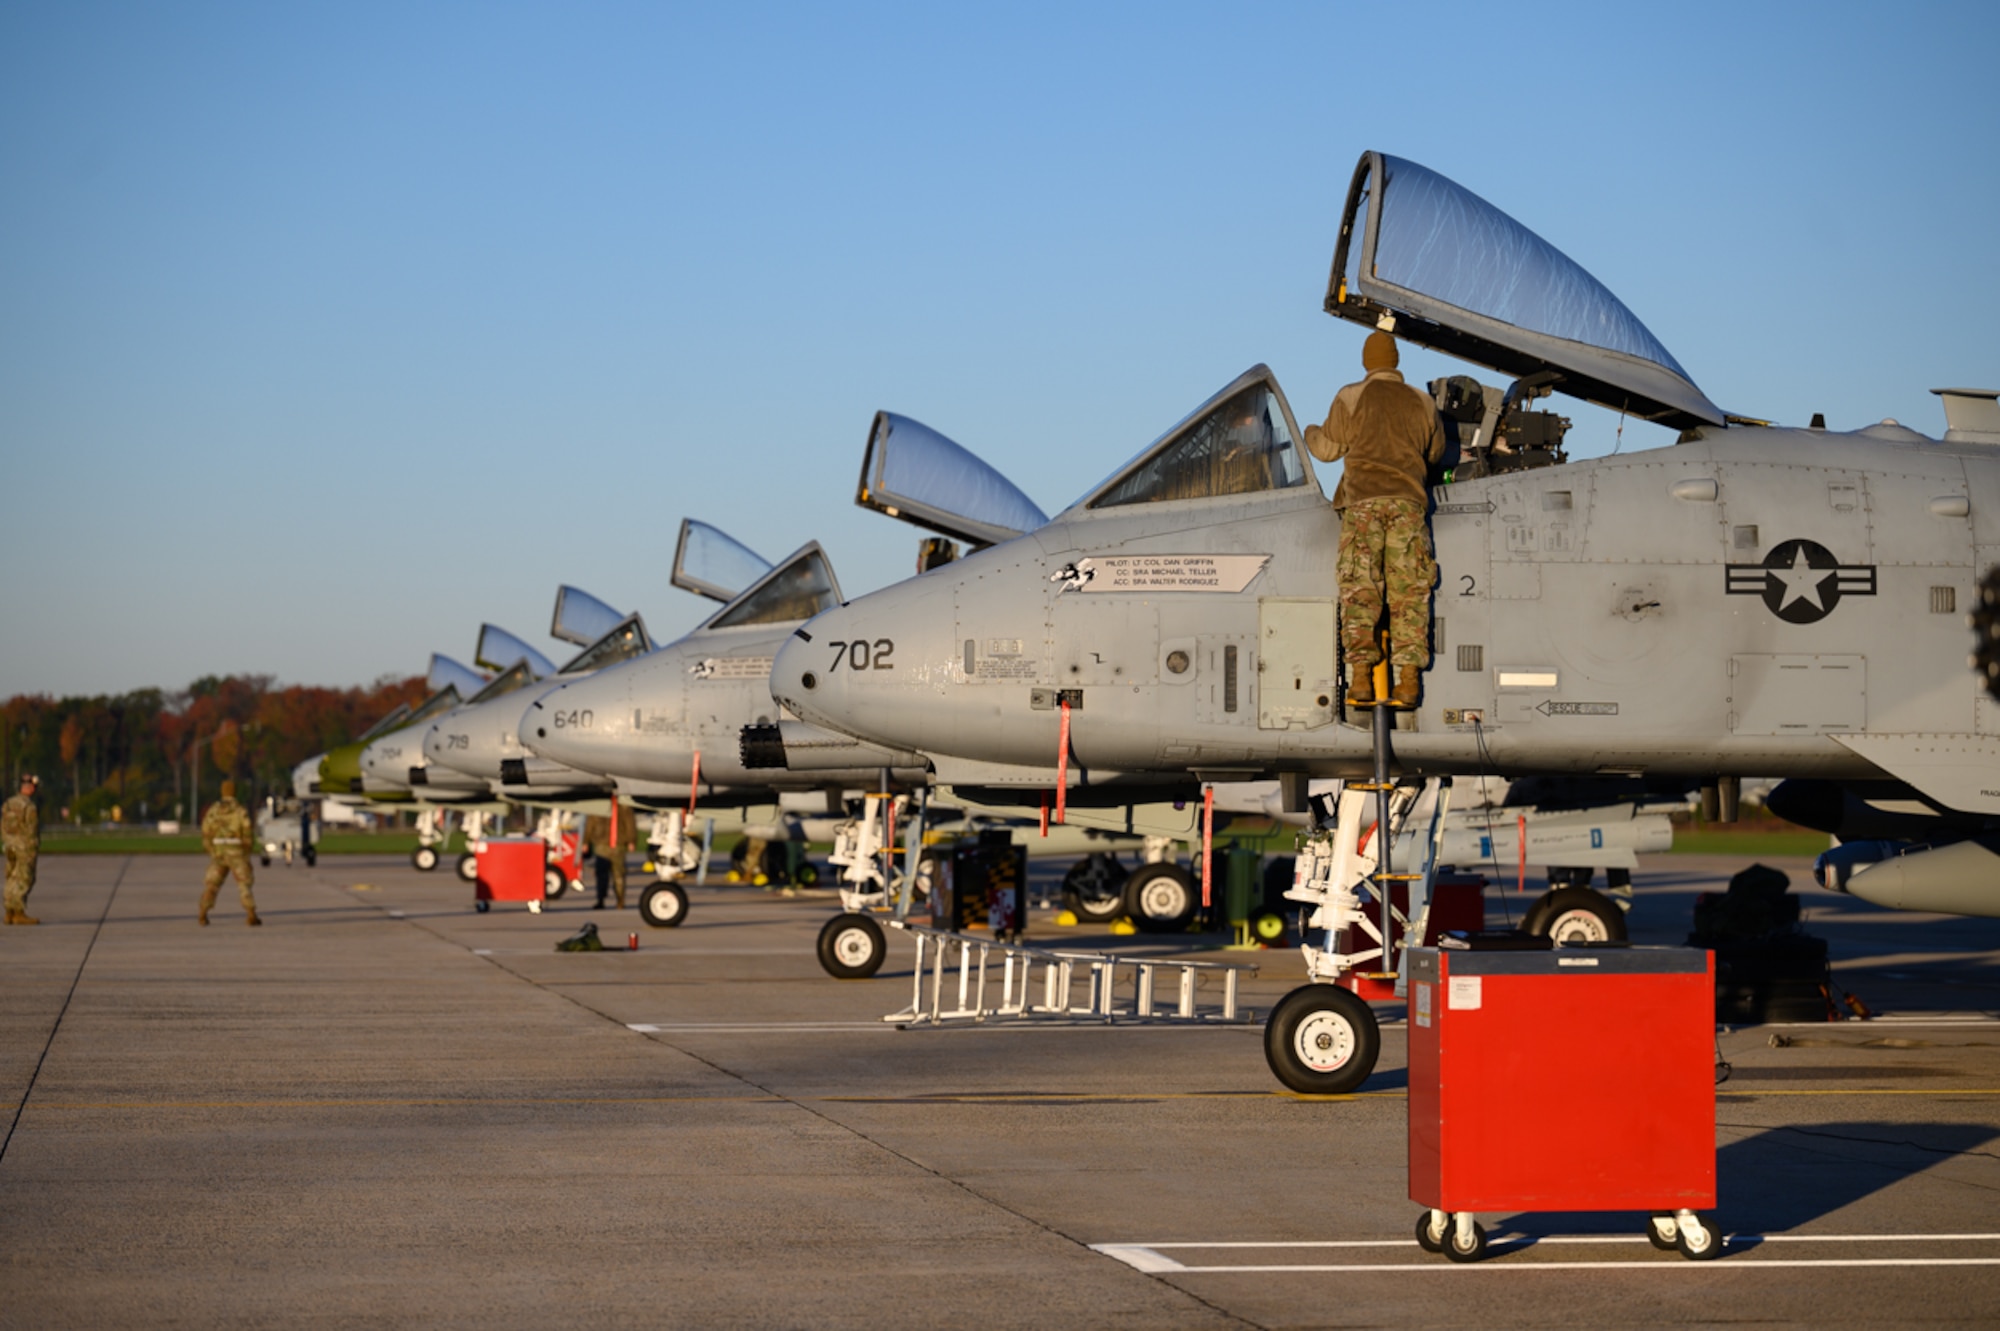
x: 1389, y: 434
x: 225, y: 829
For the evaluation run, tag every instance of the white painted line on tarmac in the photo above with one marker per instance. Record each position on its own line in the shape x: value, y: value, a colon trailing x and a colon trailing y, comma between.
x: 1151, y: 1259
x: 1951, y: 1019
x: 704, y: 1027
x: 482, y: 951
x: 1663, y: 1263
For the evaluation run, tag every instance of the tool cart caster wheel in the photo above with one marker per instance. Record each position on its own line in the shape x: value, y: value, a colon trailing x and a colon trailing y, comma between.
x: 1429, y: 1239
x: 1465, y: 1247
x: 1321, y: 1040
x: 1660, y: 1231
x: 851, y: 947
x: 1696, y: 1238
x: 482, y: 906
x: 663, y: 905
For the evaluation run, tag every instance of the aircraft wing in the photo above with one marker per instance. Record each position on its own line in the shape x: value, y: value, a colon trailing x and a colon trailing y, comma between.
x: 912, y: 472
x: 1433, y: 262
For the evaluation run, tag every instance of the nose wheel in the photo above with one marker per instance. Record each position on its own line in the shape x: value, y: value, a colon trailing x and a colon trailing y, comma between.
x: 851, y: 947
x: 1322, y: 1040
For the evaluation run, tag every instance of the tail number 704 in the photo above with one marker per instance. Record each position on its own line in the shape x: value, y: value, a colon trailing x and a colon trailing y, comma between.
x: 863, y: 655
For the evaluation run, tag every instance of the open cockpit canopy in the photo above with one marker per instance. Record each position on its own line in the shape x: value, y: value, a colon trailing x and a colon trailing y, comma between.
x: 1239, y: 442
x: 581, y: 618
x: 518, y: 675
x: 395, y: 720
x: 1434, y: 263
x: 912, y: 472
x: 711, y: 563
x: 626, y: 639
x: 447, y: 673
x: 796, y: 590
x: 444, y: 700
x: 499, y: 649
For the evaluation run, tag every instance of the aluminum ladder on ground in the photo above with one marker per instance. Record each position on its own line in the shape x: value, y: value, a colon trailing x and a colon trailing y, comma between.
x: 982, y: 965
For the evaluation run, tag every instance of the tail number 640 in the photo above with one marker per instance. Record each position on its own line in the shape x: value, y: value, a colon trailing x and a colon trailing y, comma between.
x: 863, y: 655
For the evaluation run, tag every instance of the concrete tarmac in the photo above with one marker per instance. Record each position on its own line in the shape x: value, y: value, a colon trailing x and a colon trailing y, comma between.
x: 385, y: 1109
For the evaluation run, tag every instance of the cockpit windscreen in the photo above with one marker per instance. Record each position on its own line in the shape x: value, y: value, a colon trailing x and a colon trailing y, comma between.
x: 1241, y: 446
x: 798, y: 591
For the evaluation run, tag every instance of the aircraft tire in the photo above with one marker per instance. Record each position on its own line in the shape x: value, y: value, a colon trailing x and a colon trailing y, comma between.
x: 1160, y: 898
x: 1576, y: 914
x: 553, y: 883
x: 663, y: 905
x: 468, y: 867
x: 425, y: 858
x: 1094, y: 888
x: 1321, y: 1039
x: 851, y: 946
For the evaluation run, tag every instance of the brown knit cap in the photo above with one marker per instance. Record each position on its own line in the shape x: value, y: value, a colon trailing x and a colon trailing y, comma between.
x: 1379, y: 352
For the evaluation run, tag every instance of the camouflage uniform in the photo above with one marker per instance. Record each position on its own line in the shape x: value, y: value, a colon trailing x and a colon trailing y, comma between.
x: 21, y: 829
x: 1389, y: 436
x: 227, y: 837
x: 610, y: 851
x: 1385, y: 557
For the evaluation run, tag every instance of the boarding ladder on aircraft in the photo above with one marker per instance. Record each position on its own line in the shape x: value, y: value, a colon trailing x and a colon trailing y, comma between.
x: 1322, y: 1038
x: 957, y: 976
x: 1337, y: 862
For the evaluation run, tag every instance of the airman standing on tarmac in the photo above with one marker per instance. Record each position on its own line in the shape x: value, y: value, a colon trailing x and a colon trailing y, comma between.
x: 607, y: 839
x: 1389, y: 434
x: 21, y: 829
x: 226, y: 836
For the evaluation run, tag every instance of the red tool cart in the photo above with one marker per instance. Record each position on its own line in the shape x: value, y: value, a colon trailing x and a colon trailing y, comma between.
x: 511, y: 868
x: 1620, y: 1038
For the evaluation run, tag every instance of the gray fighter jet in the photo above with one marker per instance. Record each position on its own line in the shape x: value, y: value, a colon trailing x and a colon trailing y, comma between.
x: 483, y: 740
x: 700, y: 708
x: 1750, y: 600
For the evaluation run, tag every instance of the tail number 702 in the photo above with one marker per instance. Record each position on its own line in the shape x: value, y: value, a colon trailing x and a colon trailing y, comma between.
x: 863, y: 655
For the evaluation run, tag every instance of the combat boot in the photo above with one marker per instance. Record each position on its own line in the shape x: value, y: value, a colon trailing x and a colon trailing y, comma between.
x: 12, y: 914
x: 1409, y: 686
x: 1361, y: 687
x: 251, y: 920
x: 22, y: 917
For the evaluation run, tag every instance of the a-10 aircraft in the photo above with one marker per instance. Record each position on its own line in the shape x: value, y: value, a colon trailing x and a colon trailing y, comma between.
x: 1750, y: 600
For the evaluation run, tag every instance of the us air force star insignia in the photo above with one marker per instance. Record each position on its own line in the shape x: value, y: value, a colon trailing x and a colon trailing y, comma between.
x: 1801, y: 582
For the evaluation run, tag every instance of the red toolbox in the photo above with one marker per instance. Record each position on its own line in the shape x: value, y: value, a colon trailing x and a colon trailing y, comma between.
x: 510, y: 868
x: 1613, y: 1046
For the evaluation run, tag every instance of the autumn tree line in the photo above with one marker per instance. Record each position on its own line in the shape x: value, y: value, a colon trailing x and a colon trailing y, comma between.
x: 131, y: 757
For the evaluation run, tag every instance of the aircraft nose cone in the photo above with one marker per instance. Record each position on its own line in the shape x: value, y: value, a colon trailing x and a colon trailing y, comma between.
x: 570, y: 723
x: 800, y: 675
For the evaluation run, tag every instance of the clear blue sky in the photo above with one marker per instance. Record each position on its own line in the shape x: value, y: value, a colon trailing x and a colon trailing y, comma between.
x: 328, y: 331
